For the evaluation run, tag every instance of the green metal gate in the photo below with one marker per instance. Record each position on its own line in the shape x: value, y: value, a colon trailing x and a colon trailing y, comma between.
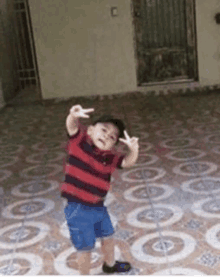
x: 25, y: 48
x: 165, y: 40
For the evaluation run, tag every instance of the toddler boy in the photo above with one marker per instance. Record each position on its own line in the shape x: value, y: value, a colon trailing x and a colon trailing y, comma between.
x: 91, y: 161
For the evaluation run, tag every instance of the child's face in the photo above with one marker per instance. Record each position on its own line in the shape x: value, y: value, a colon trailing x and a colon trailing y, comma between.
x: 104, y: 135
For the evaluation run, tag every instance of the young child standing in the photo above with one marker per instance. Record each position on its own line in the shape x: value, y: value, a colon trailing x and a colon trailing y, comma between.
x: 91, y: 161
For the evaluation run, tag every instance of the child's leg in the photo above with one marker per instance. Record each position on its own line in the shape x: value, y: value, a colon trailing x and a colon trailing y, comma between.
x: 111, y: 266
x: 84, y: 262
x: 108, y: 249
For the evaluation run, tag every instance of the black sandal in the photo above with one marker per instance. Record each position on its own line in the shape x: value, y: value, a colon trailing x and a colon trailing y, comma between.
x: 117, y: 267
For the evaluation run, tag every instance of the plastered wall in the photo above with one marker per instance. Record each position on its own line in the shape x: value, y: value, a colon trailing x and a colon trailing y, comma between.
x: 82, y: 50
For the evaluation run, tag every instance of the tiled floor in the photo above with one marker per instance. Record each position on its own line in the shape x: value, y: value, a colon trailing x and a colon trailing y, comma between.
x: 166, y: 209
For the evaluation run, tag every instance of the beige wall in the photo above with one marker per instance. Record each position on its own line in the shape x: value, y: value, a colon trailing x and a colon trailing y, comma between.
x: 208, y: 37
x: 82, y: 50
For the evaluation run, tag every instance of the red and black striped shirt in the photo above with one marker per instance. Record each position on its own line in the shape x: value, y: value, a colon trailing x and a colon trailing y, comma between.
x: 88, y: 170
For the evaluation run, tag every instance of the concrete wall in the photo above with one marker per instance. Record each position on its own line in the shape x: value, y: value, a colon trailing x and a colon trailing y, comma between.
x: 208, y: 37
x: 82, y: 50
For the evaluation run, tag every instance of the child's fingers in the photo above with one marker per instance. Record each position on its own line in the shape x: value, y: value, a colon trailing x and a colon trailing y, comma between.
x: 123, y: 140
x: 88, y: 110
x: 135, y: 139
x: 76, y: 109
x: 126, y: 135
x: 84, y: 115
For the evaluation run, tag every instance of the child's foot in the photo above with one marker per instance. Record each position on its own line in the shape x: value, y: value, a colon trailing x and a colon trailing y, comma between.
x: 117, y: 267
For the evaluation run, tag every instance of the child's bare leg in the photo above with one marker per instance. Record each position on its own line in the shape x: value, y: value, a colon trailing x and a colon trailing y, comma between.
x: 108, y: 249
x: 84, y: 262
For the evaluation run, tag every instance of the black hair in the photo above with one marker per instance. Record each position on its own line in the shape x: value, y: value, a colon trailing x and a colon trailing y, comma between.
x: 109, y: 119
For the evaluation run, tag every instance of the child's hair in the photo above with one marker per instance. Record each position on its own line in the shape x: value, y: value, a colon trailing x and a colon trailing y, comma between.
x: 109, y: 119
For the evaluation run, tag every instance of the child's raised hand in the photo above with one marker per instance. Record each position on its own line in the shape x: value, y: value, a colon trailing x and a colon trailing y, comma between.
x: 132, y: 143
x: 78, y: 111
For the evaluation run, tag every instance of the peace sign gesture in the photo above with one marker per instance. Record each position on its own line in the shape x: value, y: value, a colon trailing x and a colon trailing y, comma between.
x: 78, y: 111
x: 132, y: 143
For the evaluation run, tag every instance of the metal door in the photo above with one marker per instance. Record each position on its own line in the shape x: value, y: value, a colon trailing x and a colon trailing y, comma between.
x: 165, y: 40
x: 24, y: 46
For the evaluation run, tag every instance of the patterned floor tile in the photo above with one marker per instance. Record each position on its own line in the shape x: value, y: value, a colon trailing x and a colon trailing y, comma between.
x: 164, y: 209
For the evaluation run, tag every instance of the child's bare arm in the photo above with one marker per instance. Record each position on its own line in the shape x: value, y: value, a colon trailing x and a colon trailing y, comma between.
x: 132, y: 143
x: 72, y: 120
x: 130, y: 159
x: 72, y: 124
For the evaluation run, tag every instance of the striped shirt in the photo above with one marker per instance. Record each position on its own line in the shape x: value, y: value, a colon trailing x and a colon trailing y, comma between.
x: 88, y: 170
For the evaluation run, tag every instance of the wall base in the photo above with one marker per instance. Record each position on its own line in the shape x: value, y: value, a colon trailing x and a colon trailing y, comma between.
x: 193, y: 88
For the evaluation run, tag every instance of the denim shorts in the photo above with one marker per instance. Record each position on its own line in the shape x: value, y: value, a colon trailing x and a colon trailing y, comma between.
x: 86, y: 224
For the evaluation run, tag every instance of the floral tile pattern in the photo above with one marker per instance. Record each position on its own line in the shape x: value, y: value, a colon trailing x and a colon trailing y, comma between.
x: 165, y: 209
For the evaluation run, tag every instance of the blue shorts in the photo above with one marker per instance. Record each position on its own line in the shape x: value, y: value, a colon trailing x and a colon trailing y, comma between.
x: 86, y: 224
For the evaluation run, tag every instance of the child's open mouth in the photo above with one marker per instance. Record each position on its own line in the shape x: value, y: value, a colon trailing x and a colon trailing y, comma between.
x: 102, y: 141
